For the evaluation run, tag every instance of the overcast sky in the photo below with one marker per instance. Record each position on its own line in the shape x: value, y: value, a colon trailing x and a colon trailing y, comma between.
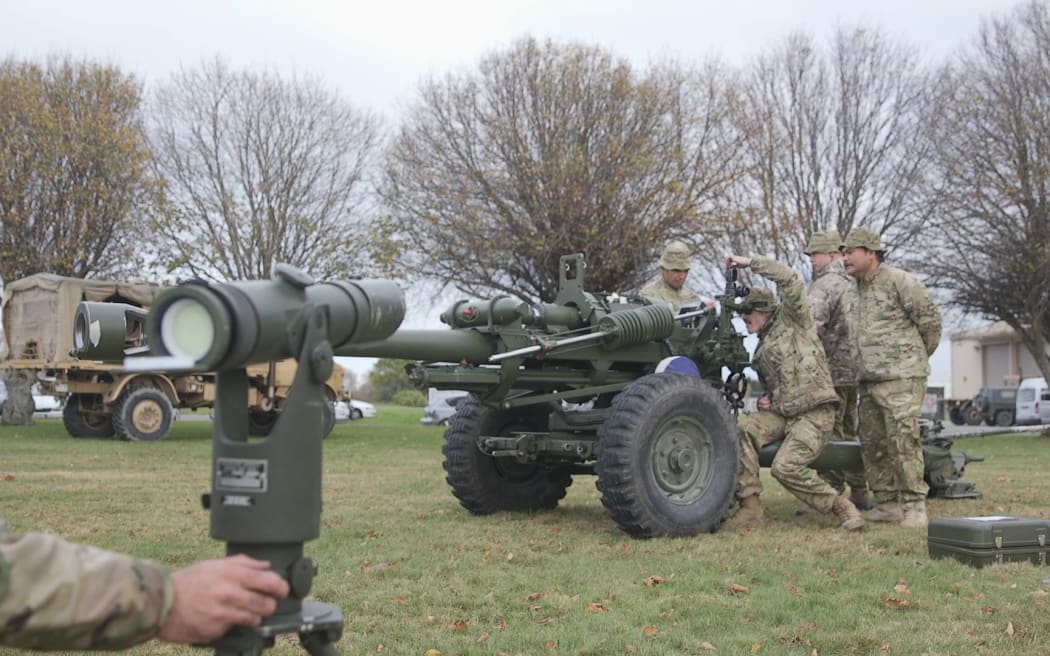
x: 375, y: 52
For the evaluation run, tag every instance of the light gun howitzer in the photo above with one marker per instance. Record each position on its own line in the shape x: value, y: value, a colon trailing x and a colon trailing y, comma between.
x: 568, y: 388
x: 265, y: 499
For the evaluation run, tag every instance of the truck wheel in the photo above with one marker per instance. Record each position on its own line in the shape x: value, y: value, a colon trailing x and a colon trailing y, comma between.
x: 143, y: 415
x: 1004, y: 418
x: 260, y: 422
x: 486, y: 484
x: 955, y: 414
x: 83, y: 416
x: 972, y: 415
x: 668, y: 457
x: 328, y: 420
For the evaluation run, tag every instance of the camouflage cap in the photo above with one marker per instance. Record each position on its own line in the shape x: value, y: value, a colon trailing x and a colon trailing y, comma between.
x: 675, y: 256
x: 823, y: 242
x: 863, y: 238
x: 760, y: 299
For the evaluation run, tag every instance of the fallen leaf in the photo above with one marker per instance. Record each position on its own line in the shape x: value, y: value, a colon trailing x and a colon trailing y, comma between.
x: 399, y: 600
x: 596, y: 608
x: 534, y: 596
x: 372, y: 534
x: 482, y: 639
x: 1009, y: 628
x: 987, y: 610
x: 510, y: 556
x: 458, y: 625
x: 814, y: 653
x: 380, y: 648
x: 885, y: 649
x: 650, y: 630
x: 9, y: 477
x: 755, y: 647
x: 432, y: 652
x: 892, y: 602
x: 902, y: 587
x: 378, y: 567
x: 736, y: 588
x: 500, y: 624
x: 653, y: 581
x: 550, y: 644
x: 707, y: 646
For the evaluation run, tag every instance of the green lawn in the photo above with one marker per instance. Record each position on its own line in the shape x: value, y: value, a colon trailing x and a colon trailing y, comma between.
x: 413, y: 571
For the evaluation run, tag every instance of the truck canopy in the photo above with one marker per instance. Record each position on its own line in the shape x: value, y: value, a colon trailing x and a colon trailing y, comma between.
x: 38, y: 313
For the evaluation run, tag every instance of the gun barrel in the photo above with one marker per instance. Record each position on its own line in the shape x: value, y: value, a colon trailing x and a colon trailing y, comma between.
x: 430, y: 345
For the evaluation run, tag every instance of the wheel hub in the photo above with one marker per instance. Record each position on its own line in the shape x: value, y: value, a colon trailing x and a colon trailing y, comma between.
x: 681, y: 460
x: 147, y: 416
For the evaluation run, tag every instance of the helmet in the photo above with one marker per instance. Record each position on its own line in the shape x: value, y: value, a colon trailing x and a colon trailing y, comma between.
x: 760, y: 299
x: 863, y: 238
x: 676, y: 255
x: 823, y: 242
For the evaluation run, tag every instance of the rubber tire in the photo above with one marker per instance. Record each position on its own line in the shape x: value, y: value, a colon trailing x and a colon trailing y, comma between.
x: 972, y: 416
x: 956, y: 416
x: 328, y: 420
x: 79, y: 424
x: 485, y: 484
x: 261, y: 422
x: 355, y: 413
x: 667, y: 410
x: 140, y: 399
x: 1004, y: 418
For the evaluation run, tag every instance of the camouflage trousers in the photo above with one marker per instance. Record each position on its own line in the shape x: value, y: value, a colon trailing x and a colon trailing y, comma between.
x: 890, y: 443
x: 804, y: 436
x: 846, y: 431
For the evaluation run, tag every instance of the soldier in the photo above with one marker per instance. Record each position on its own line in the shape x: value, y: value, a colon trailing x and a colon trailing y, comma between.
x: 897, y: 327
x: 800, y: 403
x: 59, y: 595
x: 674, y: 268
x: 832, y: 296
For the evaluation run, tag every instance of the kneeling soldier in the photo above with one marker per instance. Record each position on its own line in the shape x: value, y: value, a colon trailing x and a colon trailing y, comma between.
x: 800, y: 403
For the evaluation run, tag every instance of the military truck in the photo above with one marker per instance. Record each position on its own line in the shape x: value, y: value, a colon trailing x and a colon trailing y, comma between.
x: 100, y: 398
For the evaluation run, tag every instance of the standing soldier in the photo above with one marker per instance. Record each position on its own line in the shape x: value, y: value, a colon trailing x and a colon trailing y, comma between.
x: 800, y: 401
x: 897, y: 327
x: 831, y: 299
x: 674, y: 268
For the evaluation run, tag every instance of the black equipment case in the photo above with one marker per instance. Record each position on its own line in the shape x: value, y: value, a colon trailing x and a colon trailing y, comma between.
x: 981, y: 541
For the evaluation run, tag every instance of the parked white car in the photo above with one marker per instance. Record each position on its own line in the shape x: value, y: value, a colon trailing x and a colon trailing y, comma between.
x: 360, y: 409
x: 1033, y: 402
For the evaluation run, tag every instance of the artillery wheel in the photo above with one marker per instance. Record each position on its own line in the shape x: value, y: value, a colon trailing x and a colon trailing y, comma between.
x: 668, y: 457
x: 143, y: 414
x: 485, y: 484
x: 80, y: 421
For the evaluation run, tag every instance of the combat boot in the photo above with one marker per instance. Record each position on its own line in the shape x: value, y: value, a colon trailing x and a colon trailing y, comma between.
x: 860, y: 499
x: 890, y: 512
x: 848, y: 514
x: 750, y: 514
x: 914, y: 514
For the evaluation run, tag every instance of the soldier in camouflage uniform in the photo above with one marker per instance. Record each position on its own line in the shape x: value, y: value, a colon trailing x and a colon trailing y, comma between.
x: 800, y: 403
x: 59, y: 595
x: 832, y: 296
x: 674, y: 268
x: 897, y: 327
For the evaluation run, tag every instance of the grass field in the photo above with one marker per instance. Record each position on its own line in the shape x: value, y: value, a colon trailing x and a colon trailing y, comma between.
x: 413, y: 571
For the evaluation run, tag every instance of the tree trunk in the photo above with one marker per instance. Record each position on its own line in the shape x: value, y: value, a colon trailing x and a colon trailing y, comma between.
x: 18, y: 408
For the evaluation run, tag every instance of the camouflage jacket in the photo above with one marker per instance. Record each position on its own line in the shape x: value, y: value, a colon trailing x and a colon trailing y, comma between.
x: 790, y: 359
x: 831, y: 299
x: 676, y: 297
x: 896, y: 326
x: 59, y: 595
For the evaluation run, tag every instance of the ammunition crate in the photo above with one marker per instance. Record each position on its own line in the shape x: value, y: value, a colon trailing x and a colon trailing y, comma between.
x: 980, y: 541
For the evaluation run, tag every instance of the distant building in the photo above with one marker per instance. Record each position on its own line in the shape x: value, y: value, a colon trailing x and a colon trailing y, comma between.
x: 990, y: 355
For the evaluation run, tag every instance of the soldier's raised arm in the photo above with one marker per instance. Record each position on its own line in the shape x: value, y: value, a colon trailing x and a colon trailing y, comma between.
x: 792, y: 289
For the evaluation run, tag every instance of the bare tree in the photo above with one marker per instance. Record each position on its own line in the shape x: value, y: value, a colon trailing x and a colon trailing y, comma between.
x: 990, y: 242
x: 259, y: 169
x: 553, y: 148
x: 831, y: 143
x: 73, y: 167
